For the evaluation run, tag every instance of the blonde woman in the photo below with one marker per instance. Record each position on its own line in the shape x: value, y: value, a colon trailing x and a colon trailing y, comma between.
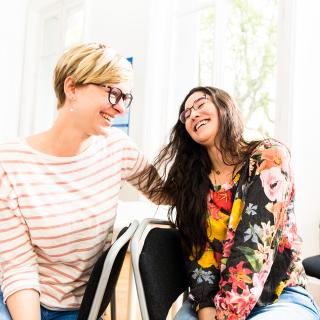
x: 59, y: 188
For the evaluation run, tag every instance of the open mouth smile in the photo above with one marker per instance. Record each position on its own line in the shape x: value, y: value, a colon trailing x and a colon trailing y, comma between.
x: 200, y: 124
x: 106, y: 116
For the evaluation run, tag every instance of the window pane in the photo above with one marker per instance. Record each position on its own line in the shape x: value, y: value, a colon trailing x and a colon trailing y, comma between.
x: 74, y: 28
x: 50, y: 39
x: 248, y: 61
x: 206, y: 46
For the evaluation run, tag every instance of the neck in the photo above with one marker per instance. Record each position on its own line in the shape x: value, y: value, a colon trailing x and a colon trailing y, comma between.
x: 61, y: 140
x: 218, y: 166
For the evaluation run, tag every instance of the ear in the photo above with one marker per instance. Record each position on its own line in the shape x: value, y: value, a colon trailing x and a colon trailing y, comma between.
x: 69, y: 88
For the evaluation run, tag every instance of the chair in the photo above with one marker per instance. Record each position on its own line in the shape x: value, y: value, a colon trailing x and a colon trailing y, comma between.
x: 312, y: 266
x: 159, y: 268
x: 104, y: 277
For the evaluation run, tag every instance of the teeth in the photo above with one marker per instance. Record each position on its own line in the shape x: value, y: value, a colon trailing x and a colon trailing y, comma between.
x: 105, y: 116
x: 199, y: 124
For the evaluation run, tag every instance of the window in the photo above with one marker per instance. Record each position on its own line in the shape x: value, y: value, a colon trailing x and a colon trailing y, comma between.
x: 59, y: 25
x: 243, y: 46
x: 122, y: 122
x: 238, y: 52
x: 53, y: 26
x: 74, y: 25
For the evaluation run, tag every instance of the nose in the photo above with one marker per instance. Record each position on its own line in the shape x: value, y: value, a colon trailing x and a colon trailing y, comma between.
x: 119, y: 107
x: 194, y: 113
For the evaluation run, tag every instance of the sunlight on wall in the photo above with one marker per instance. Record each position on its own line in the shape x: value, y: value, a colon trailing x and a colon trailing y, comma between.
x: 12, y: 35
x: 305, y: 133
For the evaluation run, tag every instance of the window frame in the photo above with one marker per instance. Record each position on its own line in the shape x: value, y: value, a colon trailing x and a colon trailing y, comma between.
x: 38, y: 12
x: 180, y: 63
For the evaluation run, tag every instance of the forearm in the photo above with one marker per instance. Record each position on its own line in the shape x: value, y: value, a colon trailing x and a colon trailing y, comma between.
x: 204, y: 279
x: 24, y: 305
x: 207, y: 313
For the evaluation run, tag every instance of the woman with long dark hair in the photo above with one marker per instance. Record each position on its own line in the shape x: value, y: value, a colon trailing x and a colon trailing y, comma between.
x: 234, y: 207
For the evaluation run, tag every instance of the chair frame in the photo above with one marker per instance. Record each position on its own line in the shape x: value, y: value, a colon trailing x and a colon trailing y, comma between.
x: 107, y: 267
x: 136, y: 248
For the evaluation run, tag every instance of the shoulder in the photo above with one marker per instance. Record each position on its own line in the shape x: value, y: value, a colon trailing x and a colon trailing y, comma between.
x: 117, y: 143
x: 270, y: 153
x: 10, y: 143
x: 10, y: 153
x: 11, y: 148
x: 270, y: 148
x: 117, y: 138
x: 115, y: 134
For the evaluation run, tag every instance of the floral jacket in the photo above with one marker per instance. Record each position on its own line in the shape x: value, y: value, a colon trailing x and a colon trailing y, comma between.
x: 253, y: 250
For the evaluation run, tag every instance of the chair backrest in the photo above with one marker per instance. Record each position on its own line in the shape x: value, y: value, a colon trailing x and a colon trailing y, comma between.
x: 312, y: 266
x: 159, y: 268
x: 104, y: 276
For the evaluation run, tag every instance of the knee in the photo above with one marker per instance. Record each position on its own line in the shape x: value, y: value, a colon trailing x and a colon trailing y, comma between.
x: 5, y: 316
x: 186, y: 312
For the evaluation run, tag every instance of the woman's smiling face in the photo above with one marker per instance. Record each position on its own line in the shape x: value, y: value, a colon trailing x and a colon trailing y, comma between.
x: 92, y: 111
x: 203, y: 122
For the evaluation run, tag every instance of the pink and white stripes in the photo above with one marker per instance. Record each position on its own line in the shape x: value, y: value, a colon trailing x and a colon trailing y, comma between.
x: 57, y: 214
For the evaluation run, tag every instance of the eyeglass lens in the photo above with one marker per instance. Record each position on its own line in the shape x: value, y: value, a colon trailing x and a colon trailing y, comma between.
x: 115, y: 94
x: 197, y: 104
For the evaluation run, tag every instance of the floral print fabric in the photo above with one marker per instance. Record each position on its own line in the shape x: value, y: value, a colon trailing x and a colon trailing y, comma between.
x: 253, y: 250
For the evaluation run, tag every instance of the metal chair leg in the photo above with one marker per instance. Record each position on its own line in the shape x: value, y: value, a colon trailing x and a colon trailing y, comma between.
x: 113, y: 305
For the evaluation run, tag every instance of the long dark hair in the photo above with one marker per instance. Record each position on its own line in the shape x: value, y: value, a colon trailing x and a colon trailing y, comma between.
x: 184, y: 167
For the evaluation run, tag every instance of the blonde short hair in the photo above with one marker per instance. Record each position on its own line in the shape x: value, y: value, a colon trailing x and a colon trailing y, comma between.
x: 90, y: 63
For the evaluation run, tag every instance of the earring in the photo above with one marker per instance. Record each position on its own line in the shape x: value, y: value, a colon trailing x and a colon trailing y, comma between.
x: 71, y: 109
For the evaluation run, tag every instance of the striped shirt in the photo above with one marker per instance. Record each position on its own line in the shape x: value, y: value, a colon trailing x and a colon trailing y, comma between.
x: 57, y: 214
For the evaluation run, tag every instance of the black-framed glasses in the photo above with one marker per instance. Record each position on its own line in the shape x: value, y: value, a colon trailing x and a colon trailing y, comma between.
x: 115, y: 94
x: 197, y: 104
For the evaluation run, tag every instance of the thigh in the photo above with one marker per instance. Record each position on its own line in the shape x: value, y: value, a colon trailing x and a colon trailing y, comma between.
x: 186, y: 312
x: 4, y: 312
x: 47, y: 314
x: 294, y: 303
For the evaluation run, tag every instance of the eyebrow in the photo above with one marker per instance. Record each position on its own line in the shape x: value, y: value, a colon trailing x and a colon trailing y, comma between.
x: 125, y: 93
x: 196, y: 100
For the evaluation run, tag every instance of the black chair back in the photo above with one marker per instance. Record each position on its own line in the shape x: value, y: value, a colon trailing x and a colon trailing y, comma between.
x: 162, y: 270
x: 312, y: 266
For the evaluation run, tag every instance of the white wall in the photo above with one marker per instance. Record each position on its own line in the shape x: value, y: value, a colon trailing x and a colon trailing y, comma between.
x: 12, y: 35
x: 122, y: 24
x: 306, y: 124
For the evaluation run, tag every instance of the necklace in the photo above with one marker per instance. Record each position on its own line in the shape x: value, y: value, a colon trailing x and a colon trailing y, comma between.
x: 219, y: 177
x: 215, y: 171
x: 213, y: 174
